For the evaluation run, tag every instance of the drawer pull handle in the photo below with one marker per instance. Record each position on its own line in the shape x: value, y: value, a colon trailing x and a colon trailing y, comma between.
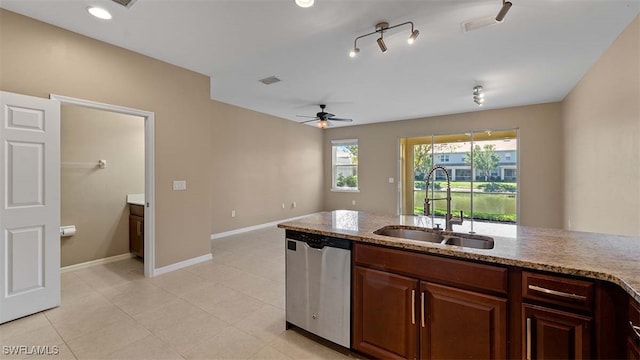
x: 635, y: 329
x: 422, y: 307
x: 413, y: 307
x: 528, y: 338
x: 557, y: 293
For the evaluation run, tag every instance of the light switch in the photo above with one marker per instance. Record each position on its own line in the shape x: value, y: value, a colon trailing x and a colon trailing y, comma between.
x: 179, y: 184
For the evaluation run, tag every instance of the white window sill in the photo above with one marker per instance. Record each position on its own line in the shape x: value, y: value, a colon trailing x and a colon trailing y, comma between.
x: 345, y: 190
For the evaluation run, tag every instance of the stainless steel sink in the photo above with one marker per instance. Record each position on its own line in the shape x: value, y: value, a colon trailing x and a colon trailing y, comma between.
x: 413, y: 234
x: 438, y: 236
x: 476, y: 242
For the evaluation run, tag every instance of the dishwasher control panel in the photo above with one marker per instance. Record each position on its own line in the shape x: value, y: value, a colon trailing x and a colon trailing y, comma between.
x: 316, y: 241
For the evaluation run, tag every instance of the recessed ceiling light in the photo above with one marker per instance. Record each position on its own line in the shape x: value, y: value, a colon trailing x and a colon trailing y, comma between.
x: 100, y: 13
x: 304, y: 3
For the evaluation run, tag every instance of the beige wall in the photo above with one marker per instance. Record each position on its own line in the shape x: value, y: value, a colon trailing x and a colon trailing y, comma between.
x: 231, y: 158
x: 541, y: 149
x: 602, y: 142
x: 260, y: 164
x: 93, y: 199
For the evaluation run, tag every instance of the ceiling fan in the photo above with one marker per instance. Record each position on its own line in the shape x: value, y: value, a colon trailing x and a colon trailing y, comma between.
x: 323, y: 118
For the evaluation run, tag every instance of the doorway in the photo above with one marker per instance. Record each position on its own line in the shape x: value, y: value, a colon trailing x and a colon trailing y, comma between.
x: 149, y: 171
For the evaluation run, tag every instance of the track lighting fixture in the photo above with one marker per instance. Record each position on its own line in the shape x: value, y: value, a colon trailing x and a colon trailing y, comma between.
x: 382, y: 45
x: 478, y: 95
x: 380, y: 29
x: 506, y: 5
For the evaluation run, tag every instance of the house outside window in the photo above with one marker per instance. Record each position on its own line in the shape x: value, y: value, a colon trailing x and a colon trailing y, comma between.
x: 344, y: 164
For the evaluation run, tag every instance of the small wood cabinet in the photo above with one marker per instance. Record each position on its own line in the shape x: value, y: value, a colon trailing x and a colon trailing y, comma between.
x: 136, y: 230
x: 556, y: 317
x: 412, y: 309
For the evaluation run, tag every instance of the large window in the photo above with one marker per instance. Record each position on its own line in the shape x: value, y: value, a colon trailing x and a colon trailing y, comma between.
x: 344, y: 165
x: 482, y: 166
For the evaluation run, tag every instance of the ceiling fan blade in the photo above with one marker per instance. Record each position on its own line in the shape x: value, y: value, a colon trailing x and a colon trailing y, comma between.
x: 339, y: 119
x: 305, y: 116
x: 306, y: 121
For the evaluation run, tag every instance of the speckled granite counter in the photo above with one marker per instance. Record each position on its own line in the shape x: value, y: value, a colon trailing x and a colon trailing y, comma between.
x: 600, y: 256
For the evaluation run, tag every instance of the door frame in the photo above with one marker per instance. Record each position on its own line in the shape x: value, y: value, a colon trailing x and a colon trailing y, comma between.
x: 149, y: 170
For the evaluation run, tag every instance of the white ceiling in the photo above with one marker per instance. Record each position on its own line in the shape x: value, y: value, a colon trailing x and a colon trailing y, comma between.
x: 536, y: 55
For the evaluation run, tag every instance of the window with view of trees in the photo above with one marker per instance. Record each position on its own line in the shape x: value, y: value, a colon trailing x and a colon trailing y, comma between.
x: 482, y: 167
x: 345, y: 165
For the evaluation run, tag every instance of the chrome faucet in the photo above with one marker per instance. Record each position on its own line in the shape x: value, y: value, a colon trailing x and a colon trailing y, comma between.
x: 449, y: 221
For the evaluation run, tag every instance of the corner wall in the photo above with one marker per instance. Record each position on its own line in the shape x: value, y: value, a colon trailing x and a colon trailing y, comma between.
x: 601, y: 117
x: 378, y: 158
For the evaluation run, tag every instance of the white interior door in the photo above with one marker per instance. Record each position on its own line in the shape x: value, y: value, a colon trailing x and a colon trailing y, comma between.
x: 29, y: 205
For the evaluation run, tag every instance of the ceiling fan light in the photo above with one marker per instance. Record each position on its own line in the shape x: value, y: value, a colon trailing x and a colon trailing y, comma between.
x: 304, y: 3
x: 506, y: 5
x: 323, y: 124
x: 382, y: 45
x: 353, y: 53
x: 100, y: 13
x: 413, y: 36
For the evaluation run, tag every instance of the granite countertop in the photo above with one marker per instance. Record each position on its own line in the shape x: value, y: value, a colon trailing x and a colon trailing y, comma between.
x: 613, y: 258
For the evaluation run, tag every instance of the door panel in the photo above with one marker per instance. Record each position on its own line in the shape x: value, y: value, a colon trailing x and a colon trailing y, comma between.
x: 555, y: 334
x: 461, y: 324
x: 385, y: 314
x: 29, y: 205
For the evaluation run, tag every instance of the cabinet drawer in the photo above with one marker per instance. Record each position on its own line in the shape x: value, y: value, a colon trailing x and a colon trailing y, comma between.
x: 434, y: 268
x: 556, y: 290
x: 137, y: 210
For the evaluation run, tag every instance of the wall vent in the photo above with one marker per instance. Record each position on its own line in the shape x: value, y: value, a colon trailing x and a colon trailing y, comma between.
x: 125, y: 3
x: 270, y: 80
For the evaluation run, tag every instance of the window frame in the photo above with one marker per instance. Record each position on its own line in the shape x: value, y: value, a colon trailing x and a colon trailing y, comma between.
x: 334, y: 165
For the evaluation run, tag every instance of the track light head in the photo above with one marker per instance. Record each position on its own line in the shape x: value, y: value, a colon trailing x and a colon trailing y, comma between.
x: 353, y: 53
x: 382, y: 45
x: 506, y: 5
x: 413, y: 36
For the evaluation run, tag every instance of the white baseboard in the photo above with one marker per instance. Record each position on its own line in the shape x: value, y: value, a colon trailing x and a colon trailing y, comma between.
x: 182, y: 264
x: 254, y: 227
x: 96, y: 262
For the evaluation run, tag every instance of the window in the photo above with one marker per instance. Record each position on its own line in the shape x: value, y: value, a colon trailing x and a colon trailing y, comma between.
x: 344, y: 164
x: 483, y: 169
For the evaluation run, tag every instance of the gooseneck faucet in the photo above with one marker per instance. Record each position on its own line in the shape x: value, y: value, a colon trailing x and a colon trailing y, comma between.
x: 448, y: 219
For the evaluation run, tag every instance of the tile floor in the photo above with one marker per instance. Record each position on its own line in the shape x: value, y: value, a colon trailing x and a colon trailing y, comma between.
x: 229, y: 308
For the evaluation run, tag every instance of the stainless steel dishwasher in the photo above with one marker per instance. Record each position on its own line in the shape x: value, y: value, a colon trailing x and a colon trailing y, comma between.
x: 318, y: 285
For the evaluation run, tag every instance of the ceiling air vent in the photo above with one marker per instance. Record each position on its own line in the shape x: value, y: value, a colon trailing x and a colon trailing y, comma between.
x: 125, y: 3
x: 270, y: 80
x: 479, y: 23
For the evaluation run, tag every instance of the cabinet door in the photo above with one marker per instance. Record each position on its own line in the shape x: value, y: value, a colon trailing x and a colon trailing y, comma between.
x: 385, y: 314
x: 555, y: 334
x: 633, y: 350
x: 136, y: 235
x: 461, y: 324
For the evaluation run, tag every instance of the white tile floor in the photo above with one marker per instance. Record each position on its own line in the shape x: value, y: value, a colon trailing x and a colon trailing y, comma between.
x: 229, y: 308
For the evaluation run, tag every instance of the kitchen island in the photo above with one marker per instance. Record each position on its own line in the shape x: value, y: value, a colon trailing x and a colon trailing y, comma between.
x: 534, y: 286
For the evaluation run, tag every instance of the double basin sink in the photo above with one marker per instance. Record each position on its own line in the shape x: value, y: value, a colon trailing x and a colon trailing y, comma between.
x: 437, y: 236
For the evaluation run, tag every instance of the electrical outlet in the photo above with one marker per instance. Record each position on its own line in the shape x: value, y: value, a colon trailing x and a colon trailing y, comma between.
x: 233, y: 213
x: 179, y: 184
x: 353, y: 202
x: 293, y: 205
x: 283, y: 205
x: 391, y: 180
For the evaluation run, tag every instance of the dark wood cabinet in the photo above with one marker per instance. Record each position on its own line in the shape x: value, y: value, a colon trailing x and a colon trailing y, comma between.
x: 633, y: 339
x: 461, y: 324
x: 408, y: 316
x: 136, y: 230
x: 555, y: 334
x: 384, y: 314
